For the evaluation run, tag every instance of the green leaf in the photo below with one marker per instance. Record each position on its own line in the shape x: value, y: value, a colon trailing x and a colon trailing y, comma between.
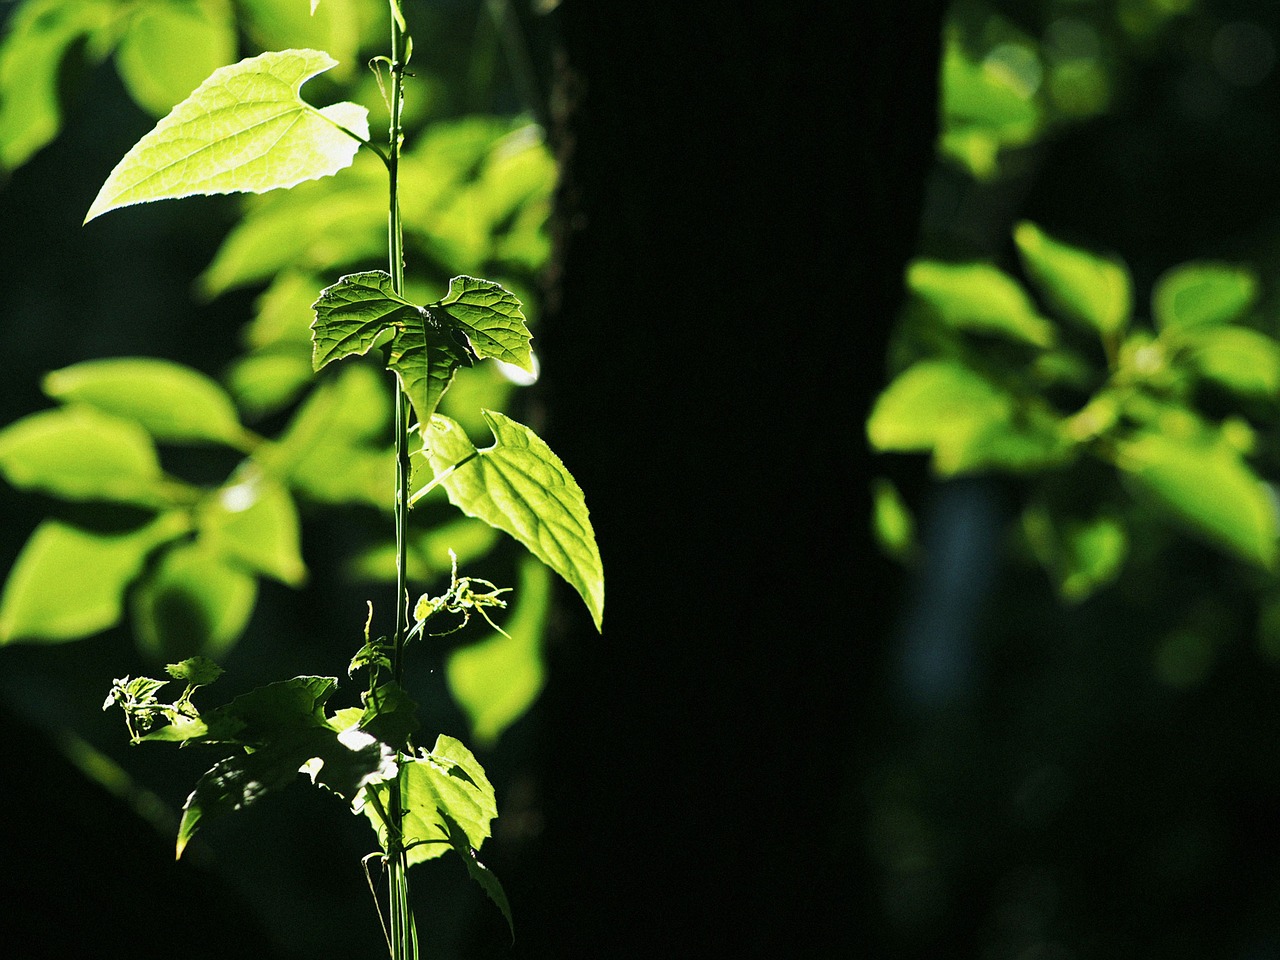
x: 1238, y: 358
x: 1202, y: 294
x: 390, y: 714
x: 891, y: 520
x: 254, y: 522
x: 477, y: 870
x: 1206, y: 485
x: 1091, y: 290
x: 67, y: 583
x: 193, y: 602
x: 197, y: 671
x: 155, y: 77
x: 168, y: 400
x: 490, y: 317
x: 519, y: 486
x: 80, y: 454
x: 496, y: 680
x: 40, y: 35
x: 980, y: 298
x: 245, y: 129
x: 1080, y: 555
x: 938, y: 405
x: 447, y: 781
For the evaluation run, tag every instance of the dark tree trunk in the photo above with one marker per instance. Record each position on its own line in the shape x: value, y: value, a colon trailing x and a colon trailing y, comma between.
x: 743, y: 186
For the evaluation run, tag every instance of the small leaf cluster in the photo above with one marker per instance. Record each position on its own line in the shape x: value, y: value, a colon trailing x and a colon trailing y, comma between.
x: 1064, y: 385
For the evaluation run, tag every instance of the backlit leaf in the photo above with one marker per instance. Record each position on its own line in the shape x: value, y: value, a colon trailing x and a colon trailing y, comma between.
x: 245, y: 129
x: 68, y: 583
x: 1202, y: 294
x: 519, y: 486
x: 254, y: 522
x: 156, y: 78
x: 490, y: 317
x: 980, y: 298
x: 1205, y: 484
x: 1238, y: 358
x: 169, y: 401
x: 80, y: 454
x: 935, y: 404
x: 1093, y: 291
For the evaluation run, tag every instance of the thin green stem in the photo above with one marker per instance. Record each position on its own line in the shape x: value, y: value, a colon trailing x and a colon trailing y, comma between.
x: 404, y: 940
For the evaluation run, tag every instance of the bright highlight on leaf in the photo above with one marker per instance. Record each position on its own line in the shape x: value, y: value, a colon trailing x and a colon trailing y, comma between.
x: 519, y: 486
x: 245, y: 129
x: 1094, y: 291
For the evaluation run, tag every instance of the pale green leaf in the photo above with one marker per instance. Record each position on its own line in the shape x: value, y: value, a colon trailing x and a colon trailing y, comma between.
x: 194, y: 602
x: 1207, y: 486
x: 496, y: 680
x: 891, y: 520
x: 156, y: 75
x: 980, y: 298
x: 448, y: 780
x: 1093, y: 291
x: 519, y: 486
x: 1202, y: 294
x: 254, y: 522
x: 937, y: 405
x: 40, y: 35
x: 169, y: 401
x: 269, y: 380
x: 1238, y: 358
x: 68, y: 583
x: 245, y: 129
x: 81, y: 454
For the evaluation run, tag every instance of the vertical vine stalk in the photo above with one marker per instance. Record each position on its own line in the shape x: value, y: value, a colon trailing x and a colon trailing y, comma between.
x: 404, y: 939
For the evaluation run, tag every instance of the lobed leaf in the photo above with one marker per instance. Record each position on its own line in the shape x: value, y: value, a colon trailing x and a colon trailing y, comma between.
x: 1093, y: 291
x: 491, y: 318
x: 245, y: 129
x: 519, y: 486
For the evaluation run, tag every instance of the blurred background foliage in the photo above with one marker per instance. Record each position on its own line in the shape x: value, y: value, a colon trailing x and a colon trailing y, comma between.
x: 195, y: 488
x: 1086, y: 672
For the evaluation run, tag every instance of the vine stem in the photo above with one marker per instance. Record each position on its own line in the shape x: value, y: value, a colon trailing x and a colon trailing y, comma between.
x: 404, y: 940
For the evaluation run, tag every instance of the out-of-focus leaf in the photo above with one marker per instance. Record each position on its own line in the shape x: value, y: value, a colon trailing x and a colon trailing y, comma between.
x: 1238, y: 358
x: 980, y: 298
x: 269, y: 380
x: 496, y: 680
x: 68, y: 583
x: 169, y: 401
x: 193, y: 603
x: 891, y: 520
x: 156, y: 75
x: 1202, y: 294
x: 40, y: 35
x: 1093, y: 291
x: 1208, y: 487
x: 254, y: 522
x: 519, y: 486
x: 337, y: 26
x: 982, y: 112
x: 81, y: 454
x: 1081, y: 556
x: 935, y: 404
x: 245, y: 129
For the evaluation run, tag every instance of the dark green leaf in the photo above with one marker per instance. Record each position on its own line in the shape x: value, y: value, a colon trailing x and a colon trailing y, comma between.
x: 477, y: 870
x: 390, y: 714
x: 197, y: 671
x: 519, y: 486
x: 193, y: 602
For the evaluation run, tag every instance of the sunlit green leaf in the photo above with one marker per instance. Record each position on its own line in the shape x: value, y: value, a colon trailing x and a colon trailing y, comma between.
x: 1022, y: 444
x: 935, y: 404
x: 269, y: 380
x: 519, y: 486
x: 496, y: 680
x: 245, y: 129
x: 254, y: 522
x: 337, y: 26
x: 1093, y: 291
x: 155, y: 76
x: 68, y: 583
x: 980, y: 298
x: 169, y: 401
x: 197, y: 671
x: 491, y: 318
x: 1238, y: 358
x: 1208, y: 487
x: 891, y: 521
x: 40, y: 35
x: 1080, y: 555
x: 1202, y: 294
x: 390, y: 714
x: 194, y: 602
x: 447, y: 780
x: 80, y: 454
